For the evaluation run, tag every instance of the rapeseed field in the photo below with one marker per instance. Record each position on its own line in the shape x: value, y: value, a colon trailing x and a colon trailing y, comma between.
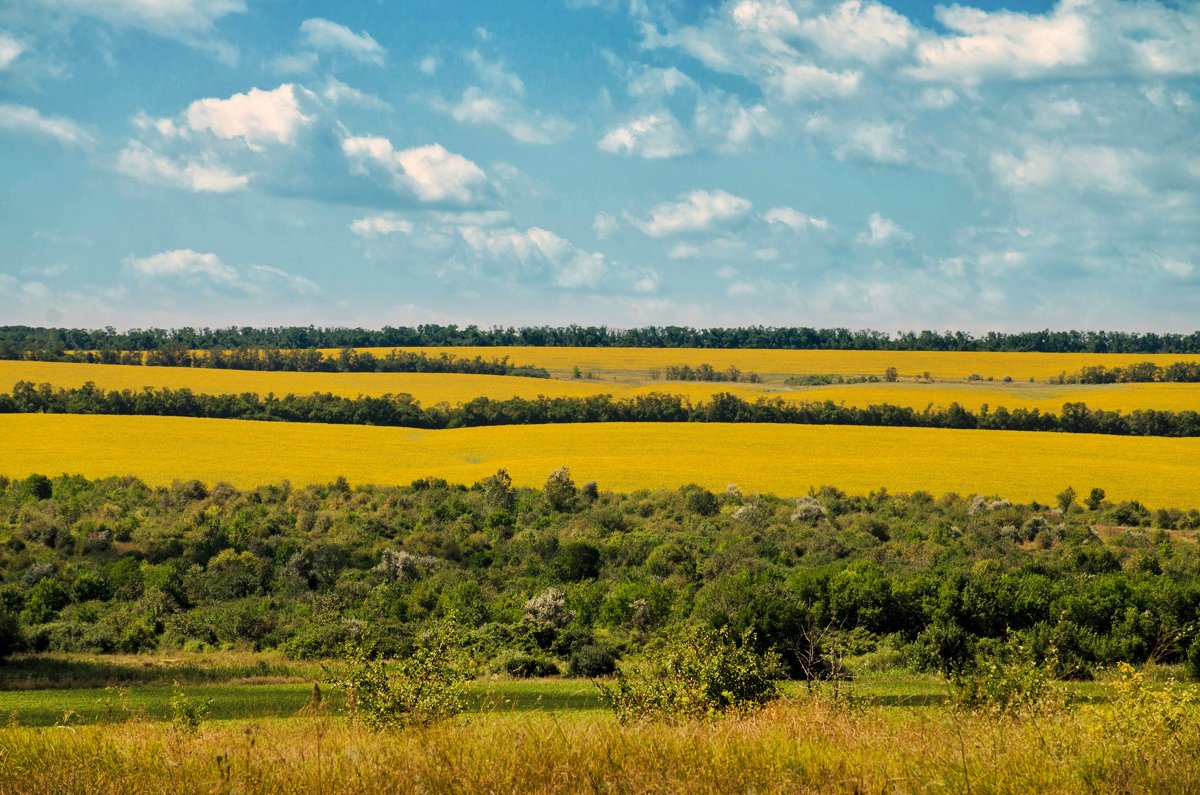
x: 453, y: 388
x: 782, y: 459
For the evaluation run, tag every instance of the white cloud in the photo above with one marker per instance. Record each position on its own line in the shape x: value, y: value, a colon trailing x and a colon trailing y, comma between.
x: 431, y: 172
x: 867, y: 31
x: 339, y: 93
x: 795, y: 81
x: 1176, y: 267
x: 569, y: 266
x: 495, y: 74
x: 654, y: 83
x: 382, y: 224
x: 322, y: 34
x: 145, y: 165
x: 428, y: 65
x: 877, y: 142
x: 697, y: 211
x: 794, y: 219
x: 24, y: 119
x: 10, y: 50
x: 646, y: 283
x: 653, y: 136
x: 196, y: 267
x: 1004, y: 43
x: 189, y: 21
x: 604, y: 225
x: 1083, y: 168
x: 477, y: 107
x: 257, y: 116
x: 185, y: 262
x: 881, y: 231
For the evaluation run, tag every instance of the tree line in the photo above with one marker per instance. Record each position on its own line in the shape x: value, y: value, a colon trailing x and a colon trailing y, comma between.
x: 298, y: 360
x: 1136, y: 373
x: 17, y: 341
x: 404, y: 410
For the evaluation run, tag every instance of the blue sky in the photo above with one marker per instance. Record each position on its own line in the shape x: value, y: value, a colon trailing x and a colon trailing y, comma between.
x: 625, y: 162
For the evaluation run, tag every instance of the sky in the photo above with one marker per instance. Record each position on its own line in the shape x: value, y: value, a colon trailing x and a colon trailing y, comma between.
x: 991, y: 166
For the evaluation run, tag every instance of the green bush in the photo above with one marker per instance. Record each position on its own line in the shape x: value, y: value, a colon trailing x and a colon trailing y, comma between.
x: 593, y: 661
x: 418, y: 690
x: 528, y: 666
x: 698, y: 674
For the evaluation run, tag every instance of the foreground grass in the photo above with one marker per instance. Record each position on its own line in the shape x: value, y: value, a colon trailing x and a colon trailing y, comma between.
x: 800, y: 745
x: 620, y: 456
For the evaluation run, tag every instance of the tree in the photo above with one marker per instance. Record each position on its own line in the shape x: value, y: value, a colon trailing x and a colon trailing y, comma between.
x: 1094, y: 499
x: 891, y: 375
x: 1066, y: 498
x: 560, y: 490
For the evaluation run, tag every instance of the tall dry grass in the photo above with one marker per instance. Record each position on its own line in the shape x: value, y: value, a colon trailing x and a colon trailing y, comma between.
x: 797, y: 746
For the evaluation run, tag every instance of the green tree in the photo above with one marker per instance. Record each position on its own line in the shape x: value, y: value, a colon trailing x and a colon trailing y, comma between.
x: 560, y: 490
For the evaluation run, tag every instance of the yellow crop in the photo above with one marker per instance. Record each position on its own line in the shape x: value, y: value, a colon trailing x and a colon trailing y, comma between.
x: 781, y: 459
x: 776, y: 364
x: 452, y: 388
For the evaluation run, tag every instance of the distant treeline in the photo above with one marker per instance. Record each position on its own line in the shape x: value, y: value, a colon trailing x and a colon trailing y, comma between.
x: 706, y: 372
x: 404, y: 410
x: 16, y: 341
x: 305, y: 360
x: 1136, y: 373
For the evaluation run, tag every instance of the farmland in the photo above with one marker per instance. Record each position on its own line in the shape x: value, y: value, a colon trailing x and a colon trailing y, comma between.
x: 453, y: 389
x: 786, y: 460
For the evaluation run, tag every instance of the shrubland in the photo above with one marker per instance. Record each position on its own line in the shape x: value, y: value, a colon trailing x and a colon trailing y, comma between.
x: 569, y: 578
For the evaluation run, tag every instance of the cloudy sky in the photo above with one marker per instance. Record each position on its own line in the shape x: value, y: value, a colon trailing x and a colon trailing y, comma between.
x: 629, y: 162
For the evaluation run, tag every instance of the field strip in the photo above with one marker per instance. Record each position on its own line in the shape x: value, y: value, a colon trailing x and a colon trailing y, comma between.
x: 783, y: 459
x: 783, y: 363
x: 455, y: 388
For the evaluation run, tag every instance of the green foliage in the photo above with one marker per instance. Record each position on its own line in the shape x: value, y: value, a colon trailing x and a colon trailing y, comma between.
x: 560, y: 490
x: 1005, y: 679
x: 10, y: 633
x: 698, y: 674
x: 418, y: 690
x: 593, y: 661
x: 187, y: 713
x: 1193, y: 659
x: 526, y: 666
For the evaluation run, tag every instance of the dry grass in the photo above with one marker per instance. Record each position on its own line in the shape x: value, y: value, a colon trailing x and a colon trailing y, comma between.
x: 453, y: 389
x: 783, y: 459
x: 801, y: 746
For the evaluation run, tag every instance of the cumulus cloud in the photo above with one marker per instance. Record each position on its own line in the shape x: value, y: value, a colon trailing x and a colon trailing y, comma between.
x: 29, y: 121
x: 338, y: 93
x: 205, y: 268
x: 882, y: 231
x: 868, y: 31
x: 527, y: 127
x: 1082, y: 168
x: 432, y: 173
x: 569, y: 266
x: 605, y: 224
x: 258, y: 117
x: 184, y: 262
x: 653, y: 136
x: 10, y: 50
x: 321, y: 34
x: 697, y: 211
x: 794, y: 219
x: 145, y: 165
x: 381, y: 224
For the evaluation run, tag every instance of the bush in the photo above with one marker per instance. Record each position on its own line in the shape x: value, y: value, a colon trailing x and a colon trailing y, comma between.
x: 187, y: 714
x: 528, y: 666
x: 699, y: 674
x: 593, y: 661
x: 419, y: 690
x: 1193, y: 660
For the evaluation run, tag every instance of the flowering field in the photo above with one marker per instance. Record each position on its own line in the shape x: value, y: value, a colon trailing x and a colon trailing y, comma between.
x: 786, y: 460
x: 779, y: 364
x: 453, y: 388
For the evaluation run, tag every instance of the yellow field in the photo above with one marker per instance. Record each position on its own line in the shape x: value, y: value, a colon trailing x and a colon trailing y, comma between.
x: 785, y: 460
x: 433, y: 388
x: 778, y: 365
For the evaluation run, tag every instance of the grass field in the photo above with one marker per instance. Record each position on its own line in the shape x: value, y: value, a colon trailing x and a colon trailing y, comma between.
x: 798, y: 745
x: 450, y: 388
x: 782, y: 459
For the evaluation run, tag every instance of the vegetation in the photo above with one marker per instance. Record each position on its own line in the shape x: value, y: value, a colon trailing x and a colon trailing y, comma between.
x: 35, y: 339
x: 405, y: 411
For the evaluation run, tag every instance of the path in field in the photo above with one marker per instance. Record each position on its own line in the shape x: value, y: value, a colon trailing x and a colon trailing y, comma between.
x: 782, y: 459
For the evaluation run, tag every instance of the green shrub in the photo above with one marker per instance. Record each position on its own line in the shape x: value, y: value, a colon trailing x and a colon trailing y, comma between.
x: 593, y: 661
x: 186, y: 713
x: 699, y: 674
x: 528, y: 666
x: 1193, y: 660
x: 418, y: 690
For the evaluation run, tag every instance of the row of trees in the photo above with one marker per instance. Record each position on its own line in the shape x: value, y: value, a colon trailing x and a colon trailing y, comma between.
x: 706, y: 372
x: 406, y: 411
x: 1136, y: 373
x: 569, y: 577
x: 23, y: 339
x: 302, y: 360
